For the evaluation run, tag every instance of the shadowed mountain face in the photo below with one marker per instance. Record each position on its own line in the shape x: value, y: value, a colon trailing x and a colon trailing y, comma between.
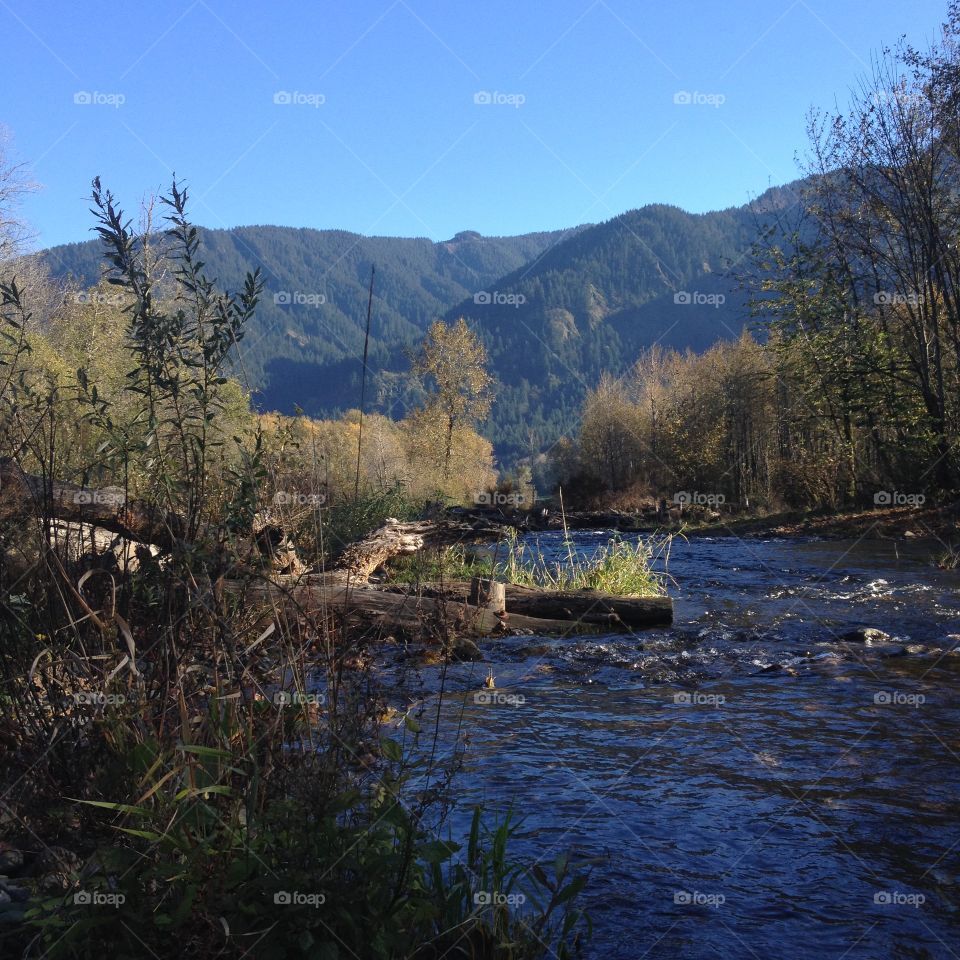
x: 554, y: 309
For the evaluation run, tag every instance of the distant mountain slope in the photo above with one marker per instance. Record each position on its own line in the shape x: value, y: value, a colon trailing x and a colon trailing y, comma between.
x: 555, y: 309
x: 593, y: 301
x: 304, y: 345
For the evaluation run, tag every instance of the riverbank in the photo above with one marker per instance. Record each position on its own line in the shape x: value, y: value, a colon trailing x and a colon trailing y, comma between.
x: 898, y: 523
x: 934, y: 521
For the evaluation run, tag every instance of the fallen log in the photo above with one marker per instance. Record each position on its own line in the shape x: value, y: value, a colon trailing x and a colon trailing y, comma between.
x: 396, y: 538
x: 615, y: 613
x: 589, y: 605
x: 406, y: 612
x: 23, y: 493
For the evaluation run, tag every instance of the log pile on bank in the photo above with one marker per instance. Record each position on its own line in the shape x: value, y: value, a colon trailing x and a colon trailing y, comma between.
x: 81, y: 524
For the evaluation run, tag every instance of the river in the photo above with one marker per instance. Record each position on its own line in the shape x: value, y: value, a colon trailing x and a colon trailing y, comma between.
x: 746, y: 783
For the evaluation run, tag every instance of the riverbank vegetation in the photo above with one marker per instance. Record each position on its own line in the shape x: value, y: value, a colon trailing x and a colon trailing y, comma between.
x: 194, y: 762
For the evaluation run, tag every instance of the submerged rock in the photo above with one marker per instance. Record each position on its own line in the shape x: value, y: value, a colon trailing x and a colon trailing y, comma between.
x: 871, y: 636
x: 464, y: 649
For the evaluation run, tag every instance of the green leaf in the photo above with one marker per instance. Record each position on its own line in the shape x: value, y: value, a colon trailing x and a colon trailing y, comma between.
x: 117, y: 807
x: 391, y: 749
x: 202, y: 751
x: 151, y: 835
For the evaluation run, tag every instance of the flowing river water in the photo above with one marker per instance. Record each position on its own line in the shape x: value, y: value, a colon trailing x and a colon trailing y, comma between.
x: 747, y: 783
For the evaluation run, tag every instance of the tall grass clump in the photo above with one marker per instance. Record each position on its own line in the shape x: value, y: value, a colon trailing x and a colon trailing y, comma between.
x: 616, y: 567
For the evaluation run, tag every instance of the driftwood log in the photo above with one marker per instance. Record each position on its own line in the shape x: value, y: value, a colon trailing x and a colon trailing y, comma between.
x: 396, y: 539
x: 23, y: 493
x: 393, y: 611
x: 614, y: 613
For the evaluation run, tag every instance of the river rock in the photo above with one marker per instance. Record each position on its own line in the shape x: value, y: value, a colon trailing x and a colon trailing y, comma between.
x: 916, y: 648
x: 60, y: 869
x: 11, y: 859
x: 15, y: 893
x: 892, y: 650
x: 871, y: 636
x: 464, y: 649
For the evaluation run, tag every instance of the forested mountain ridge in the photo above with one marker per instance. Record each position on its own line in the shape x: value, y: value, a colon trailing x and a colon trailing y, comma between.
x: 554, y: 309
x: 303, y: 347
x: 591, y: 303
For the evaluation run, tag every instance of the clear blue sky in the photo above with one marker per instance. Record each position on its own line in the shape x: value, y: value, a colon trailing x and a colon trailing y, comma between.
x: 398, y: 144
